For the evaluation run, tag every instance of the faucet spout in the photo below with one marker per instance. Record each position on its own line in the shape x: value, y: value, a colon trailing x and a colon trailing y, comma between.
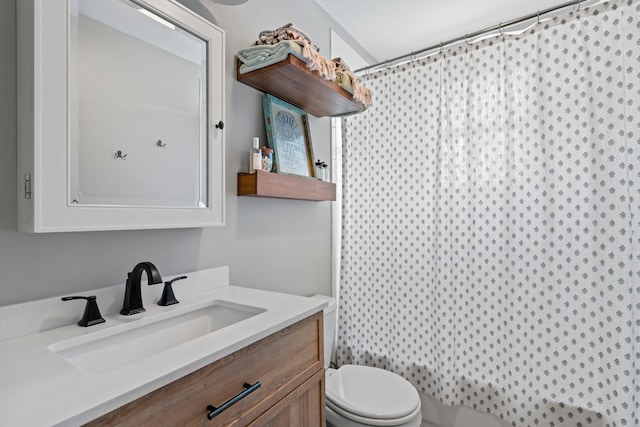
x: 133, y: 292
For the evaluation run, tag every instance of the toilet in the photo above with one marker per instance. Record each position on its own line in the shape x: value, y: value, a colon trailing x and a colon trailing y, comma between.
x: 359, y: 396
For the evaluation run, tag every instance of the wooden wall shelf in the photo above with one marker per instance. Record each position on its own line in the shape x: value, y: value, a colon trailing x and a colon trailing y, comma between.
x: 267, y: 184
x: 291, y: 81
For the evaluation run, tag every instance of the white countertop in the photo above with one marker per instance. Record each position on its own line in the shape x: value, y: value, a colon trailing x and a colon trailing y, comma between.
x: 39, y: 388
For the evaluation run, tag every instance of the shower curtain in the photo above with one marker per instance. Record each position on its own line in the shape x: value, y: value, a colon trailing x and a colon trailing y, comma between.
x: 490, y: 237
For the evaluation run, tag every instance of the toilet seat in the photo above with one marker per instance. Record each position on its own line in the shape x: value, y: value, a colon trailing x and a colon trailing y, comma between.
x: 374, y: 421
x: 371, y: 396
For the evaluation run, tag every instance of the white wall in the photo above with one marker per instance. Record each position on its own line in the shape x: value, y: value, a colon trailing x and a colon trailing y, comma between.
x: 282, y: 245
x: 340, y: 48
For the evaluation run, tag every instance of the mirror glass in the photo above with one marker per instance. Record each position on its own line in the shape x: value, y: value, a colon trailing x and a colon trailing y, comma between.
x: 137, y: 108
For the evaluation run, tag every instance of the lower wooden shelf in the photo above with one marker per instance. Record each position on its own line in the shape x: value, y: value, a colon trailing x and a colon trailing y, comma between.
x: 267, y: 184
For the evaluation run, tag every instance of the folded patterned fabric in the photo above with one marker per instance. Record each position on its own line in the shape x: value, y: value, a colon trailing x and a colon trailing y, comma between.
x: 311, y: 53
x: 348, y: 81
x: 341, y: 65
x: 255, y: 57
x: 274, y: 46
x: 344, y: 81
x: 286, y: 32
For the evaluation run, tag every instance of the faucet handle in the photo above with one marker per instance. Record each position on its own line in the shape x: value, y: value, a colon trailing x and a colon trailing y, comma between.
x: 91, y: 314
x: 168, y: 298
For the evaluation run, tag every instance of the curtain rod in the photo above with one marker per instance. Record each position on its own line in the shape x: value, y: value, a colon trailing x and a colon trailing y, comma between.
x: 495, y: 30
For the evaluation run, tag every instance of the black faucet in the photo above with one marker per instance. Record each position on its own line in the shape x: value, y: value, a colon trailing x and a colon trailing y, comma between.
x: 133, y: 292
x: 91, y: 314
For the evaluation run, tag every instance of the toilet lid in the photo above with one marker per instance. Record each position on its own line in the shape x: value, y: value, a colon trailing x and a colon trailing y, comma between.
x: 371, y: 392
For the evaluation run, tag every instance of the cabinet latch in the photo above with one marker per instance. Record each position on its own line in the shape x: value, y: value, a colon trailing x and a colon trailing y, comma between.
x: 27, y: 186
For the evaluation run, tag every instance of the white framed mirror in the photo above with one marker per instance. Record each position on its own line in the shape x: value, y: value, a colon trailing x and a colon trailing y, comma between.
x: 119, y: 103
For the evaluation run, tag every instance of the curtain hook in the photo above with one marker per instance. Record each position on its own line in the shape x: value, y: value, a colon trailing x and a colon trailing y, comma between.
x: 466, y: 39
x: 579, y: 4
x: 501, y: 30
x: 441, y: 48
x: 538, y: 16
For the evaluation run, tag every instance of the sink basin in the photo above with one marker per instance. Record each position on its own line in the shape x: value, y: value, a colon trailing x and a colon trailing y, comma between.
x: 105, y: 350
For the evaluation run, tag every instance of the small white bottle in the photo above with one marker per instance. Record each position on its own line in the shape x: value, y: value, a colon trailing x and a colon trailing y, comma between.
x: 319, y: 171
x: 255, y: 156
x: 325, y: 172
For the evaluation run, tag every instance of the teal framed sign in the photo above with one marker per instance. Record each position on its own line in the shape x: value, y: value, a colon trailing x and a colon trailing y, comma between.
x: 288, y: 135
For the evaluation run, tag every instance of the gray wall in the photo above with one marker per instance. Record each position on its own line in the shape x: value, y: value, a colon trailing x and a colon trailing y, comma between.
x: 282, y: 245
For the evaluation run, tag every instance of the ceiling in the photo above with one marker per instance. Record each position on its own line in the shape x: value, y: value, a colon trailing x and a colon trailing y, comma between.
x: 387, y: 29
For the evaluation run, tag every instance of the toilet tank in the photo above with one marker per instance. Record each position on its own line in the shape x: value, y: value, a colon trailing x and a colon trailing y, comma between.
x: 329, y: 314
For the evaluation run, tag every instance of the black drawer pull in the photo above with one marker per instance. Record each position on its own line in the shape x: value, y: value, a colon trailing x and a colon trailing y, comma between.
x: 249, y: 388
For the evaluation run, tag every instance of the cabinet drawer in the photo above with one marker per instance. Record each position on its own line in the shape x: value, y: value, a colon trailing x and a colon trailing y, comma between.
x: 280, y: 362
x: 304, y: 407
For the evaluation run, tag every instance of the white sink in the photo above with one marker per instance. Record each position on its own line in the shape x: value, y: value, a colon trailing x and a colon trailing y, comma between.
x: 114, y: 347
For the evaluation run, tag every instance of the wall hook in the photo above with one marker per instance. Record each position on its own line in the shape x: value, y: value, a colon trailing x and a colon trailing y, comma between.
x: 160, y: 144
x: 119, y: 155
x: 76, y: 201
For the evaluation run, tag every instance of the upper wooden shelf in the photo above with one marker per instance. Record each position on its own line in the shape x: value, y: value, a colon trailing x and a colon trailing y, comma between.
x: 291, y: 81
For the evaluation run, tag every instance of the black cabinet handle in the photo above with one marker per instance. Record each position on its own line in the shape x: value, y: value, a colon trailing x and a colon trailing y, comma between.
x: 249, y: 388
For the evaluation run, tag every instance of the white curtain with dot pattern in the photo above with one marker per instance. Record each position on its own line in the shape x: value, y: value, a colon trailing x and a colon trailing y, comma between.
x: 490, y: 239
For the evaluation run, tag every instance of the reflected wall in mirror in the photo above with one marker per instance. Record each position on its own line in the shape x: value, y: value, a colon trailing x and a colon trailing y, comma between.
x: 117, y: 106
x: 138, y: 110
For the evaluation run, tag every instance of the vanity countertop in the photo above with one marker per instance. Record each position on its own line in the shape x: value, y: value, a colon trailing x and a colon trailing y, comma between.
x: 38, y: 387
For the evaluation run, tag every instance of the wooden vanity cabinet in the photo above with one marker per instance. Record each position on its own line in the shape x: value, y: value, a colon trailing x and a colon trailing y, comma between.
x: 288, y: 364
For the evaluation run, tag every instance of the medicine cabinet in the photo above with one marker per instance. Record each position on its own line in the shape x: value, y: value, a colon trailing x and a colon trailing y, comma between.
x: 120, y: 116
